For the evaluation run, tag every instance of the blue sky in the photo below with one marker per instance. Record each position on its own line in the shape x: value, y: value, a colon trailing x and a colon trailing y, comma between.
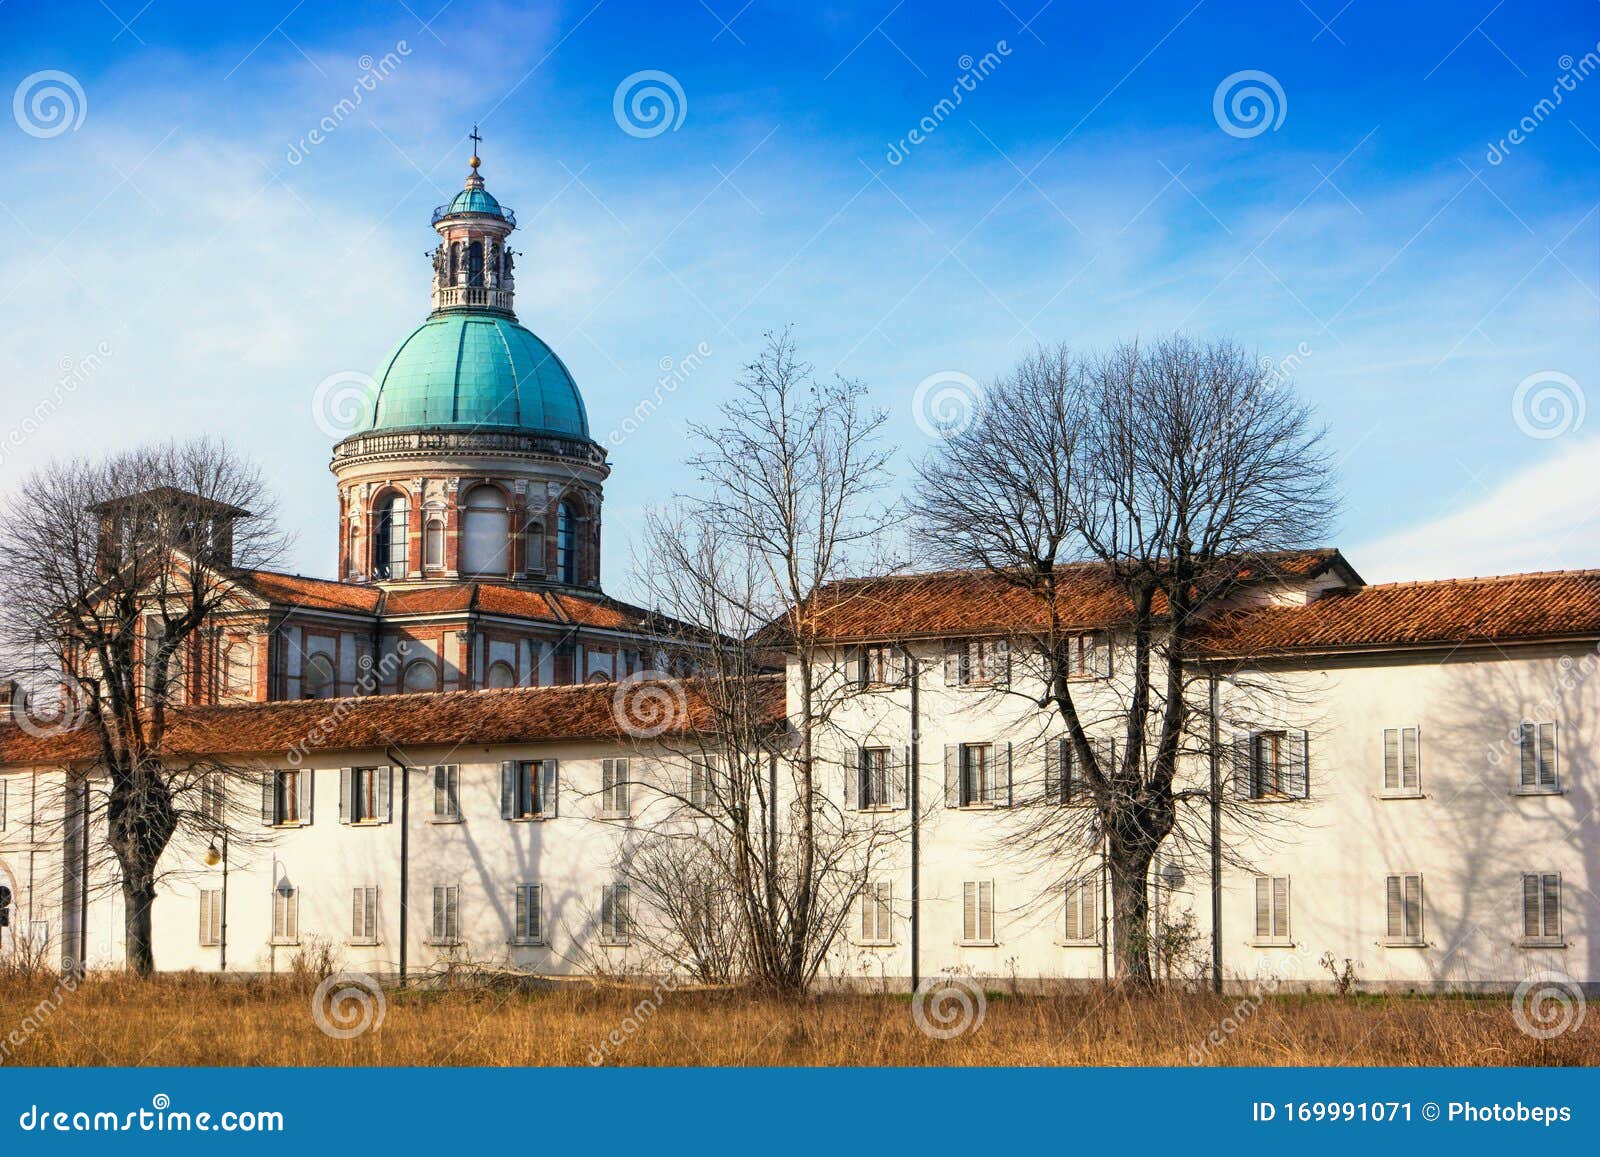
x: 1437, y: 297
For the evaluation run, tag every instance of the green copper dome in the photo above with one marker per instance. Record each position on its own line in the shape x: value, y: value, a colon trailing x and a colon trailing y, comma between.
x: 475, y: 201
x: 476, y: 370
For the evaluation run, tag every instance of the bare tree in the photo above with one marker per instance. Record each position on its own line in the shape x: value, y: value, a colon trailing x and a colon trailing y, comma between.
x: 117, y: 567
x: 790, y: 500
x: 1160, y: 478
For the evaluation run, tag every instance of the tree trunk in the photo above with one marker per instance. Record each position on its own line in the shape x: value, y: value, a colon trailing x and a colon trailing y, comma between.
x: 138, y: 898
x: 1130, y: 900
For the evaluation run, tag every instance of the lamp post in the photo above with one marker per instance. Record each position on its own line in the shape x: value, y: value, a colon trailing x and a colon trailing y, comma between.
x: 213, y: 856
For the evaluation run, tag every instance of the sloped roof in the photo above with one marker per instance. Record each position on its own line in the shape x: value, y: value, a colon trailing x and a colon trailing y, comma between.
x: 585, y: 711
x: 1503, y: 608
x: 968, y: 602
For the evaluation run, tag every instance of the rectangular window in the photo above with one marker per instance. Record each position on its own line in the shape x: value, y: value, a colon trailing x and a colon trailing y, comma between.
x: 977, y: 912
x: 1403, y: 915
x: 1402, y: 761
x: 1541, y: 909
x: 364, y: 914
x: 615, y: 927
x: 614, y: 785
x: 364, y: 795
x: 877, y: 913
x: 529, y: 790
x: 977, y: 663
x: 1271, y: 765
x: 1088, y: 657
x: 213, y: 799
x: 446, y: 914
x: 1083, y: 916
x: 874, y: 769
x: 1539, y: 772
x: 210, y: 917
x: 528, y: 920
x: 701, y: 792
x: 286, y: 798
x: 1272, y: 909
x: 286, y: 915
x: 882, y: 665
x: 447, y: 792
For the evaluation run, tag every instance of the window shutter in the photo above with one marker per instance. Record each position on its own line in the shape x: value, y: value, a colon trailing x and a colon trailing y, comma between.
x: 1074, y: 928
x: 441, y: 791
x: 520, y: 929
x: 900, y: 780
x: 852, y: 781
x: 1280, y: 907
x: 1411, y: 759
x: 1102, y: 648
x: 508, y: 789
x: 867, y: 914
x: 1242, y: 787
x: 954, y: 655
x: 1296, y: 764
x: 1105, y: 753
x: 345, y: 786
x: 608, y: 785
x: 536, y: 913
x: 1264, y: 907
x: 1003, y: 786
x: 1530, y: 755
x: 385, y: 807
x: 1414, y: 907
x: 303, y: 793
x: 1395, y: 910
x: 952, y: 775
x: 1531, y: 922
x: 371, y: 912
x: 898, y: 666
x: 292, y: 904
x: 1054, y: 751
x: 267, y: 810
x: 969, y: 911
x: 986, y: 910
x: 1391, y: 759
x: 1547, y: 755
x: 549, y: 789
x: 1002, y: 663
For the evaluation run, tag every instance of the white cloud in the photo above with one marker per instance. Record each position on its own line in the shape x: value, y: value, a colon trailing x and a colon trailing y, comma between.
x: 1544, y: 517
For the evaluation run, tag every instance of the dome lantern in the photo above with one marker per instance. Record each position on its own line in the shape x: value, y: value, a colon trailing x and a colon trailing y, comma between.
x: 472, y: 267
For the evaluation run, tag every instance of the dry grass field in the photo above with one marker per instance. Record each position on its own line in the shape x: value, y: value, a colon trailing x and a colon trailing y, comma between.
x: 200, y: 1021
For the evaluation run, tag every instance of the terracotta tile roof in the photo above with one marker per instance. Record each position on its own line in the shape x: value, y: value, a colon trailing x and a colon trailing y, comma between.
x: 1506, y: 608
x: 588, y: 711
x: 320, y: 594
x: 969, y: 602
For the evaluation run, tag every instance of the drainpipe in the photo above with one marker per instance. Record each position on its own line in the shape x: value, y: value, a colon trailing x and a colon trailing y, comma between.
x: 914, y: 670
x: 83, y: 879
x: 1216, y: 839
x: 223, y: 956
x: 405, y: 855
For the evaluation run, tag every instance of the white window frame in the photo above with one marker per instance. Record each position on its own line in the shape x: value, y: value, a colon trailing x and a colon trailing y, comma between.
x: 285, y: 915
x: 364, y: 914
x: 877, y: 914
x: 1544, y: 938
x: 444, y: 930
x: 615, y: 788
x: 1406, y: 939
x: 1279, y: 911
x: 447, y: 793
x: 1082, y: 907
x: 614, y: 918
x: 1400, y: 736
x: 210, y: 917
x: 1537, y: 733
x: 522, y: 935
x: 980, y: 895
x: 881, y: 665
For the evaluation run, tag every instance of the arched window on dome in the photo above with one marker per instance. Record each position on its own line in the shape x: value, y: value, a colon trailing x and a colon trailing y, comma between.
x: 567, y: 543
x: 533, y: 547
x: 502, y: 674
x: 433, y: 544
x: 316, y: 678
x: 391, y: 538
x: 486, y: 533
x: 420, y: 675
